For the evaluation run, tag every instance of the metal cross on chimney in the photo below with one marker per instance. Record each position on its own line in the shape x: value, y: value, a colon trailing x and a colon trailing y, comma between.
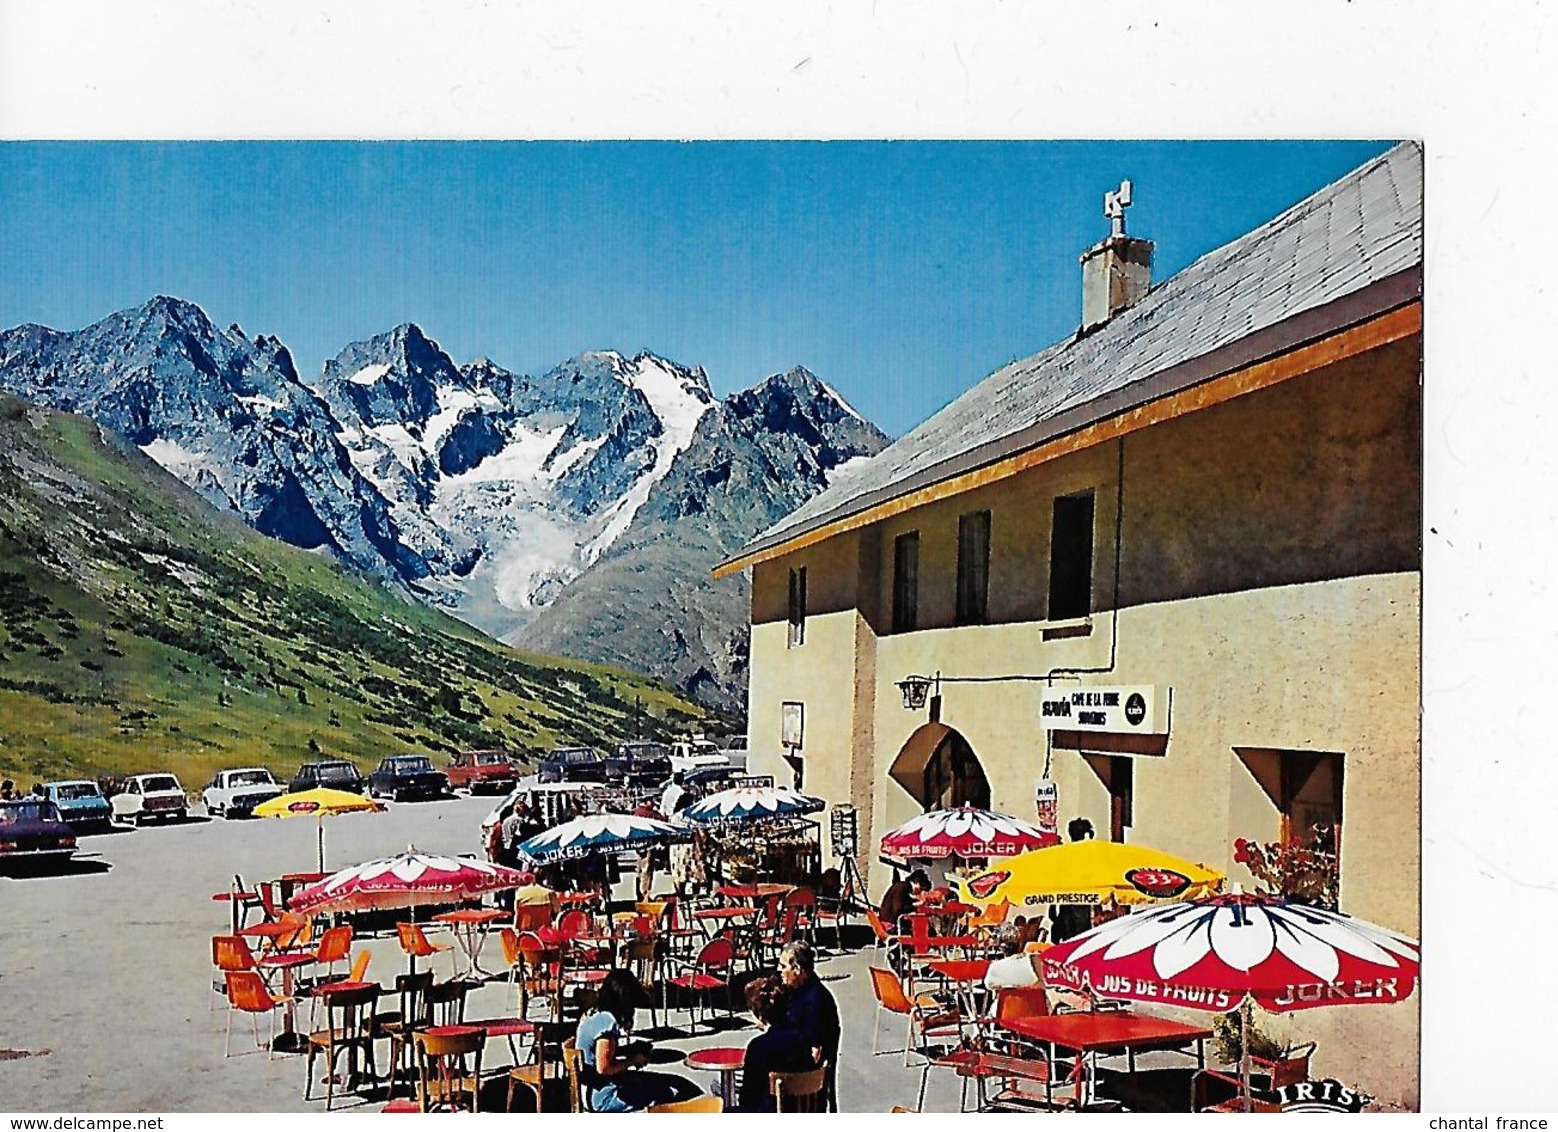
x: 1115, y: 204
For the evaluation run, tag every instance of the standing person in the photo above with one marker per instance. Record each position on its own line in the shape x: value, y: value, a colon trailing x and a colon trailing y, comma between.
x: 1070, y: 920
x: 673, y: 796
x: 614, y: 1076
x: 812, y: 1011
x: 778, y: 1048
x: 688, y: 872
x: 644, y: 882
x: 7, y: 791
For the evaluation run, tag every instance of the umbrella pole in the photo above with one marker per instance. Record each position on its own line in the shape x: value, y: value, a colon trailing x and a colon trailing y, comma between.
x: 320, y: 822
x: 1244, y: 1054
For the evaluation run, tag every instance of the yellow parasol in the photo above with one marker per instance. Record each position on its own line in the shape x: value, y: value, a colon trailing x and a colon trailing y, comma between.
x: 1090, y: 872
x: 318, y: 802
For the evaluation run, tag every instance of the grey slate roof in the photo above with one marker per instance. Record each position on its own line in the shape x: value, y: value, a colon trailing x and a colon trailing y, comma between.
x: 1358, y: 231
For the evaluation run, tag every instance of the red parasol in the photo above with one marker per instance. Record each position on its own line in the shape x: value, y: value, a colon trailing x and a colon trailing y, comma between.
x: 1222, y: 952
x: 965, y: 832
x: 407, y: 880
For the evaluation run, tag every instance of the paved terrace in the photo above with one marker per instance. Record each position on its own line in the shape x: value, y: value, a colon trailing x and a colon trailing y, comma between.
x: 107, y: 975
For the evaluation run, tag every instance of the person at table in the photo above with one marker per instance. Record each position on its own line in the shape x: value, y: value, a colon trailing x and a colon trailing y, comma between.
x: 899, y: 899
x: 778, y: 1048
x: 613, y: 1075
x: 812, y: 1010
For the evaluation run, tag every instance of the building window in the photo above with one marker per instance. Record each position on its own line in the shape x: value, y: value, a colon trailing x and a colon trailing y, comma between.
x: 1122, y: 797
x: 797, y: 607
x: 1071, y: 557
x: 906, y: 582
x: 973, y: 567
x: 1305, y: 787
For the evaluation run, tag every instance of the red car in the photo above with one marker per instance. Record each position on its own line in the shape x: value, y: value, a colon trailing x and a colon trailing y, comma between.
x: 482, y: 770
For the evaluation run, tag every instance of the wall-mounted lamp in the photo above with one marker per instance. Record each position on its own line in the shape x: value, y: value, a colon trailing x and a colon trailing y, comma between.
x: 915, y: 689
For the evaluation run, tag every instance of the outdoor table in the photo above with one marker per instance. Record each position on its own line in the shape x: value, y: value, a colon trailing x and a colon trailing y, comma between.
x: 1092, y: 1035
x: 752, y: 891
x: 577, y: 897
x: 469, y: 927
x: 728, y: 1060
x: 509, y: 1028
x: 705, y: 917
x: 268, y: 932
x: 968, y: 976
x: 237, y: 901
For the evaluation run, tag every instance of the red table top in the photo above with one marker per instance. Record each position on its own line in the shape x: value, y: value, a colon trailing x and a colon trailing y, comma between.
x: 724, y: 1058
x: 452, y: 1031
x: 585, y: 975
x: 304, y: 878
x: 924, y: 942
x: 501, y: 1027
x: 341, y: 987
x: 577, y: 897
x: 285, y: 959
x: 752, y: 891
x: 961, y: 970
x: 722, y: 913
x: 471, y: 916
x: 235, y: 896
x: 270, y: 929
x: 1095, y: 1033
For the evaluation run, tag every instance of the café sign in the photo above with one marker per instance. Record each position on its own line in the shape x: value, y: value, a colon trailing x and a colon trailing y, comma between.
x: 1132, y: 709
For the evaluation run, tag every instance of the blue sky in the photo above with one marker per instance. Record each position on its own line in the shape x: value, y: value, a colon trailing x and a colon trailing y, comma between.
x: 900, y: 272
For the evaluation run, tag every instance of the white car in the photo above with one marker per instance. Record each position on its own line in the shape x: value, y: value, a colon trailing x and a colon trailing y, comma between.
x: 146, y: 796
x: 695, y: 753
x: 235, y: 793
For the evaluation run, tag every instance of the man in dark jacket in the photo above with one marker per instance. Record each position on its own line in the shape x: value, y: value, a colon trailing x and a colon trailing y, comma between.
x: 812, y: 1010
x: 779, y: 1048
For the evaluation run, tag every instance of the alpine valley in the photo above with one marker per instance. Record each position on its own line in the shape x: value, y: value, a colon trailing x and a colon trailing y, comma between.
x: 578, y: 512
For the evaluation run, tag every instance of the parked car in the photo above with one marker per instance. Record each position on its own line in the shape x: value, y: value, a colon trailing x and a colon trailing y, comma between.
x: 573, y: 764
x: 639, y: 762
x: 32, y: 829
x: 235, y: 793
x: 147, y: 796
x: 734, y: 752
x: 407, y: 776
x: 482, y: 770
x: 334, y: 774
x: 690, y: 754
x: 81, y: 804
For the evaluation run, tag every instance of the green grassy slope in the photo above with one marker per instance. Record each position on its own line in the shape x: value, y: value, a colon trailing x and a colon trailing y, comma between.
x: 142, y: 630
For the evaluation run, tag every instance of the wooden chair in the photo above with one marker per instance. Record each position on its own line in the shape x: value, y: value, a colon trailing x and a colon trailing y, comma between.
x: 642, y: 957
x: 799, y: 1092
x: 400, y: 1024
x: 924, y: 1018
x: 446, y: 1003
x: 449, y: 1068
x: 573, y: 1065
x: 246, y: 992
x: 349, y: 1028
x: 696, y: 1104
x: 549, y: 1038
x: 533, y: 917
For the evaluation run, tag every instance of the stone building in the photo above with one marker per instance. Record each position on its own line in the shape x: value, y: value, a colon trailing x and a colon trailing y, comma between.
x: 1169, y: 569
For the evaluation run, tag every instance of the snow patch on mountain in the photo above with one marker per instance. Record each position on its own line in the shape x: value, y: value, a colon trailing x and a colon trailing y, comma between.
x: 369, y: 375
x: 179, y: 461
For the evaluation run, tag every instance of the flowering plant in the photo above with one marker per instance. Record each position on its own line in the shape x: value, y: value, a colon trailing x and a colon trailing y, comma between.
x: 1303, y: 870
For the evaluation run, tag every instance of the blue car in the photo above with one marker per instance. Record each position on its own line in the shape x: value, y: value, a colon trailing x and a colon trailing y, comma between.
x: 81, y: 803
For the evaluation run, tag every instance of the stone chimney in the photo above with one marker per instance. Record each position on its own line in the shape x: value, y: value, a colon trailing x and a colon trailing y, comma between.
x: 1116, y: 272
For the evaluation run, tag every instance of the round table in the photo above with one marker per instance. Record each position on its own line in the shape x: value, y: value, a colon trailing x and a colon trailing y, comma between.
x: 727, y: 1060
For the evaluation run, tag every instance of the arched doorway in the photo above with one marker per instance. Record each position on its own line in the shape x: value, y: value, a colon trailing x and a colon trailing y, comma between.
x: 938, y: 767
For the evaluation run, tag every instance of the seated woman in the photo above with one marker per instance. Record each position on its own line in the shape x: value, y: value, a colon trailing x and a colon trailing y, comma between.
x: 614, y: 1077
x: 779, y: 1048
